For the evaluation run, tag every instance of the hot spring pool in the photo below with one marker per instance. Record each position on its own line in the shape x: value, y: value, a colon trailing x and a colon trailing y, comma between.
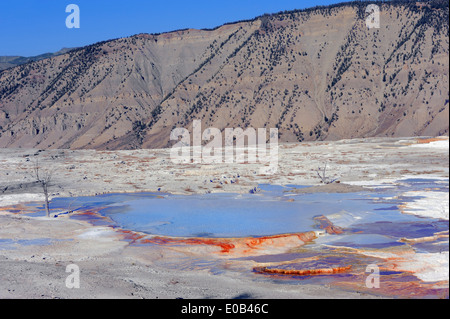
x: 273, y: 211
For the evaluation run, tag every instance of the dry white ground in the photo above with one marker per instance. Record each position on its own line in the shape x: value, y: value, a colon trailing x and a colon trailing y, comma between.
x: 112, y: 269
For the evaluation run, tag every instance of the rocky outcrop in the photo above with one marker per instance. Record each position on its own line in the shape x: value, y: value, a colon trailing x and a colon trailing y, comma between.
x: 324, y: 223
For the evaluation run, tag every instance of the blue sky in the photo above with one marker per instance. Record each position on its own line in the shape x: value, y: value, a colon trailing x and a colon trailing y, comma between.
x: 32, y: 27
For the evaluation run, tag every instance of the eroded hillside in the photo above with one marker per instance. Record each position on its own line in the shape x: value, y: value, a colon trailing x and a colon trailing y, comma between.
x: 315, y: 74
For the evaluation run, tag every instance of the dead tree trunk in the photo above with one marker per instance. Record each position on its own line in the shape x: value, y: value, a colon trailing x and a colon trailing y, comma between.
x: 45, y: 189
x: 44, y: 179
x: 323, y: 177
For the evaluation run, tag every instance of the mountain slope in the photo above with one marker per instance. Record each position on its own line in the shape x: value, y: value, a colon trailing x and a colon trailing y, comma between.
x: 12, y: 61
x: 315, y: 74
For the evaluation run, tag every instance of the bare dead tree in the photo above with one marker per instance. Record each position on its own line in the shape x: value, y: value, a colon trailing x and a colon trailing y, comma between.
x: 323, y: 177
x: 43, y: 177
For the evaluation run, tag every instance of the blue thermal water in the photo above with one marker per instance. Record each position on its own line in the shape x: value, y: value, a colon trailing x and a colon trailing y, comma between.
x: 8, y: 244
x: 371, y: 218
x: 230, y: 215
